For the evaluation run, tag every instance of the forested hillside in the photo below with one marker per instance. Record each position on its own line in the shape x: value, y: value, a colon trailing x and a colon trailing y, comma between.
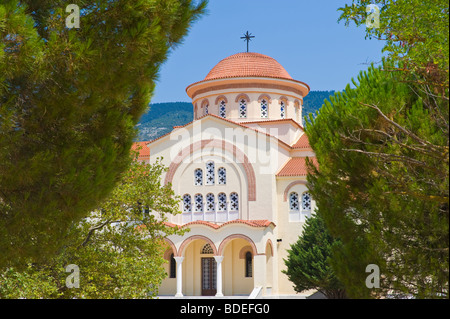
x: 162, y: 117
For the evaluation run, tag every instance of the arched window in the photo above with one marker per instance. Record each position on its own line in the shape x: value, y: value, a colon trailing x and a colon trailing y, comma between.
x: 205, y: 106
x: 210, y: 202
x: 293, y: 201
x: 210, y: 173
x: 172, y: 267
x: 187, y: 204
x: 306, y: 201
x: 207, y: 249
x: 222, y: 175
x: 198, y: 205
x: 264, y: 109
x: 282, y: 110
x: 223, y: 109
x: 198, y: 177
x: 242, y: 108
x: 248, y: 264
x: 222, y: 202
x: 234, y: 202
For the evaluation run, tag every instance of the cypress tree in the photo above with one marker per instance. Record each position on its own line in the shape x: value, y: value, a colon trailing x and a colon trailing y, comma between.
x: 308, y: 266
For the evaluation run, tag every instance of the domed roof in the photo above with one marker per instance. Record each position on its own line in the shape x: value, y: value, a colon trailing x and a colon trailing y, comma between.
x: 248, y: 64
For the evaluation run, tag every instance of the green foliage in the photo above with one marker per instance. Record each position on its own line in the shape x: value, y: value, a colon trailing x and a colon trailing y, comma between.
x: 119, y: 248
x: 382, y: 187
x: 307, y: 264
x: 415, y: 33
x: 383, y: 151
x: 69, y: 103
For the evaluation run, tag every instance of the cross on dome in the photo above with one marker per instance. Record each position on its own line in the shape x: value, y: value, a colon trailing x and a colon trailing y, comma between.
x: 247, y: 37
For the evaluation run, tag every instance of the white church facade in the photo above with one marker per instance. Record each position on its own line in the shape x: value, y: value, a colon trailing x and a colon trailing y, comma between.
x: 240, y: 169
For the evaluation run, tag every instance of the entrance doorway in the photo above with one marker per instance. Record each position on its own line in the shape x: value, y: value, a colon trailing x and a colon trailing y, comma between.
x: 209, y: 277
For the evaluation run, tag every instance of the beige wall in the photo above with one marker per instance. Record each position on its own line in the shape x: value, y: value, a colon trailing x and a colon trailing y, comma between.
x: 269, y: 204
x: 253, y: 107
x: 289, y: 232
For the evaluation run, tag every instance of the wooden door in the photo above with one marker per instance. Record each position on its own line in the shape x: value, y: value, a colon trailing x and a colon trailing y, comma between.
x: 209, y: 276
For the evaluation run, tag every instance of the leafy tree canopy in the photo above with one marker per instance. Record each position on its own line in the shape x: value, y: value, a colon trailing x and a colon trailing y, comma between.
x: 383, y: 153
x: 118, y: 248
x: 69, y: 103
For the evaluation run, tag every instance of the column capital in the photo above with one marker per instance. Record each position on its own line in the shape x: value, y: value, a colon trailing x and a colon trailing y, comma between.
x: 178, y: 259
x: 218, y: 259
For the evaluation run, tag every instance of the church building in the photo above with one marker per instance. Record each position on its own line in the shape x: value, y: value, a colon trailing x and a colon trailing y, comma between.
x: 240, y: 169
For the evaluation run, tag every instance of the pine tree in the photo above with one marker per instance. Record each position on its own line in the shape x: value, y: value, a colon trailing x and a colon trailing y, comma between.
x: 308, y: 265
x: 383, y: 153
x: 382, y: 186
x: 69, y: 102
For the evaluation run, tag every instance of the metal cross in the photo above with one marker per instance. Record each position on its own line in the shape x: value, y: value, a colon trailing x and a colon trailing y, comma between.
x: 247, y: 37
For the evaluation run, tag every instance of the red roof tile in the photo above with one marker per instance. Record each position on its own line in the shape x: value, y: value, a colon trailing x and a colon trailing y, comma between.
x: 248, y: 64
x: 220, y: 118
x: 142, y: 148
x: 296, y: 166
x: 302, y: 142
x: 262, y: 122
x: 253, y: 223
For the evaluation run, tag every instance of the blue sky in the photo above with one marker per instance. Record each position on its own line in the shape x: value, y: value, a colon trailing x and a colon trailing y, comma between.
x: 303, y: 36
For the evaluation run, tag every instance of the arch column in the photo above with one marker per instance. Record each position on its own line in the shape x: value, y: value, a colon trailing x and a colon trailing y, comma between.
x: 179, y: 261
x: 219, y: 260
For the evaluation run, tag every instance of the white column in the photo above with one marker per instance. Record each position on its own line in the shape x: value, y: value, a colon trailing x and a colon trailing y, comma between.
x: 179, y: 261
x: 219, y: 260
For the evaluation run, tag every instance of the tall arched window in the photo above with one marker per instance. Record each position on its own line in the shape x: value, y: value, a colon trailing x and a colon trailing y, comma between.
x: 282, y: 109
x: 306, y: 201
x: 222, y: 175
x: 187, y: 204
x: 234, y: 202
x: 222, y: 202
x: 248, y: 264
x: 293, y: 201
x: 264, y: 109
x: 198, y: 177
x: 210, y: 202
x: 210, y: 173
x: 198, y: 205
x: 205, y: 106
x: 242, y: 108
x: 172, y: 267
x: 223, y: 109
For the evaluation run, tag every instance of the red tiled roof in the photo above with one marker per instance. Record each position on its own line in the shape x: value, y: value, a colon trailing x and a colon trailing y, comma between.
x: 262, y: 122
x: 296, y: 166
x: 220, y: 118
x: 248, y: 64
x: 142, y: 148
x: 253, y: 223
x: 302, y: 142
